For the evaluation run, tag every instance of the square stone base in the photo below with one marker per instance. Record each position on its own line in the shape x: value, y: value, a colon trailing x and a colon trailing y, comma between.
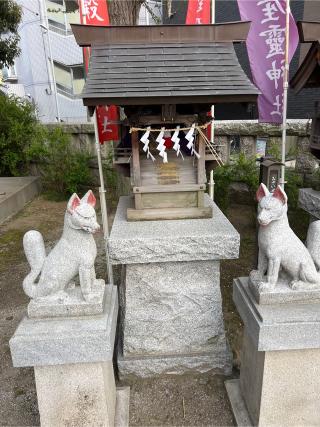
x: 171, y: 318
x: 80, y: 395
x: 170, y: 300
x: 281, y: 388
x: 280, y: 362
x: 219, y: 362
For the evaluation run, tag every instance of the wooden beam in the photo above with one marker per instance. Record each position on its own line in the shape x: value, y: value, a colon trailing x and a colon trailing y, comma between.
x: 135, y: 159
x: 168, y: 188
x: 88, y: 35
x: 236, y: 97
x: 168, y: 214
x: 202, y: 179
x: 180, y: 118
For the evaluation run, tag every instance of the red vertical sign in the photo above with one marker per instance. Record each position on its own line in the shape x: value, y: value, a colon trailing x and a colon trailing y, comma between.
x: 199, y: 12
x: 95, y: 12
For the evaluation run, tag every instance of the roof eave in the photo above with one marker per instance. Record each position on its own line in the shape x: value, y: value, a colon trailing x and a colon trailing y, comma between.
x: 196, y: 99
x: 302, y: 75
x: 309, y: 31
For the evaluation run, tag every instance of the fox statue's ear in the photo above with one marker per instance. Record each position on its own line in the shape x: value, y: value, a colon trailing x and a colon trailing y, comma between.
x: 89, y: 198
x: 280, y: 195
x: 262, y: 192
x: 74, y: 201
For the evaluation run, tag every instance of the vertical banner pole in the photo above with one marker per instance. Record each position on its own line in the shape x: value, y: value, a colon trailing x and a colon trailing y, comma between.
x: 102, y: 191
x: 213, y: 19
x: 103, y: 202
x: 211, y: 181
x: 285, y: 96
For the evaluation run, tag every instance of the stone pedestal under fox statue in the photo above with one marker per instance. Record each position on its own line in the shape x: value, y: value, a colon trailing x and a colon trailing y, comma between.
x: 74, y: 254
x: 280, y: 250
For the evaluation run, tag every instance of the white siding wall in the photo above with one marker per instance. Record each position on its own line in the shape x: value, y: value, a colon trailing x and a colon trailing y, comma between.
x: 34, y: 68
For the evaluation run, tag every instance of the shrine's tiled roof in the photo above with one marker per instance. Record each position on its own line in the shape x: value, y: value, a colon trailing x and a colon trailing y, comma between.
x: 140, y: 72
x: 165, y: 64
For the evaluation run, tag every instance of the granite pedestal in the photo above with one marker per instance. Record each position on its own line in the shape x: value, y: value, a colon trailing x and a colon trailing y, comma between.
x: 280, y: 364
x: 170, y: 299
x: 72, y: 360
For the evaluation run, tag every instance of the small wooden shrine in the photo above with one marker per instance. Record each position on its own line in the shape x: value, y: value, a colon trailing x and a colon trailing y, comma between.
x: 165, y: 78
x: 308, y: 76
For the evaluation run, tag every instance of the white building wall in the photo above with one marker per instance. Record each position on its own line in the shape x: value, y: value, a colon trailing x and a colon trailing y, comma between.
x: 34, y: 66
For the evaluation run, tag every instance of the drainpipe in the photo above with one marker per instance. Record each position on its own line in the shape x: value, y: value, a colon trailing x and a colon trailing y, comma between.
x: 44, y: 24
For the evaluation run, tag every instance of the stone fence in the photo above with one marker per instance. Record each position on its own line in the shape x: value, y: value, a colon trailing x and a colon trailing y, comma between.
x: 246, y: 132
x: 232, y: 137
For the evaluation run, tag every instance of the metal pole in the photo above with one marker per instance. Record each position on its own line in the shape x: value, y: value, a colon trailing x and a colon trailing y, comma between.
x: 103, y: 202
x: 52, y: 69
x: 213, y: 19
x: 211, y: 182
x: 285, y: 96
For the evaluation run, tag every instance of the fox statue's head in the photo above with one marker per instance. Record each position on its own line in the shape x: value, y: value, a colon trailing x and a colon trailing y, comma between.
x: 81, y: 214
x: 271, y: 206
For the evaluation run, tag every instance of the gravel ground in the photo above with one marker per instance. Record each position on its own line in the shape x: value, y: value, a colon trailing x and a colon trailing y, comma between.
x: 165, y: 401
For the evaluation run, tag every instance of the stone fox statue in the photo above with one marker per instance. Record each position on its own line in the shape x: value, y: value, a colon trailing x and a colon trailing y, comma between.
x: 279, y: 247
x: 74, y: 253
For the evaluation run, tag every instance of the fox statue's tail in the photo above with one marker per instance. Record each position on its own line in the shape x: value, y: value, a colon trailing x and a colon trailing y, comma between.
x: 313, y: 242
x: 34, y: 249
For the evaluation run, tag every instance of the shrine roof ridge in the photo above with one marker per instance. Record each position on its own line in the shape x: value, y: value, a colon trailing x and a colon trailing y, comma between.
x: 232, y: 32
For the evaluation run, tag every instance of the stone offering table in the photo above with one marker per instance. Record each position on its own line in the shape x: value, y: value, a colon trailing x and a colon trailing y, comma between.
x: 170, y: 301
x: 72, y: 360
x: 280, y: 366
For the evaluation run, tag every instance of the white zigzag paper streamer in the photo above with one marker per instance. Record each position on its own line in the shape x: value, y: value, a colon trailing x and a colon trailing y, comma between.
x: 161, y: 146
x: 145, y: 140
x: 176, y: 141
x: 189, y: 137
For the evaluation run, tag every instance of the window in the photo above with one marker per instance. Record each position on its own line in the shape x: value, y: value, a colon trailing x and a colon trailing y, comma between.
x: 62, y: 13
x: 9, y: 73
x: 69, y: 80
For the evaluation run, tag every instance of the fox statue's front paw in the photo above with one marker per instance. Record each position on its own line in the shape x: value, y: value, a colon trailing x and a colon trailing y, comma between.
x: 299, y: 285
x: 98, y: 284
x: 90, y: 297
x: 255, y: 276
x: 265, y: 286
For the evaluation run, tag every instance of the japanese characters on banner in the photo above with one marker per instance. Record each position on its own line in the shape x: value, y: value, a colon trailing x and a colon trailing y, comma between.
x: 266, y: 51
x: 198, y: 12
x: 95, y: 12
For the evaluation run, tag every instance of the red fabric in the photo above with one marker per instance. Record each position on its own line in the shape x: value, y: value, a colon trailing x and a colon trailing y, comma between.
x: 95, y: 12
x: 168, y: 143
x: 198, y: 12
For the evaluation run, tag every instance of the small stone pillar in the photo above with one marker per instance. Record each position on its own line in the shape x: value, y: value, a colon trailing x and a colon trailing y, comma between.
x: 170, y: 300
x: 71, y: 351
x: 280, y: 365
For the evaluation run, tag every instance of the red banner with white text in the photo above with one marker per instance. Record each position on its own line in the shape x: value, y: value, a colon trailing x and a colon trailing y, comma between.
x: 95, y: 12
x: 199, y: 12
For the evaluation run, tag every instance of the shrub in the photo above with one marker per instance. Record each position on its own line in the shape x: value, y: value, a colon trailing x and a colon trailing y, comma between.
x: 64, y: 169
x: 19, y: 128
x: 294, y: 181
x: 242, y: 170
